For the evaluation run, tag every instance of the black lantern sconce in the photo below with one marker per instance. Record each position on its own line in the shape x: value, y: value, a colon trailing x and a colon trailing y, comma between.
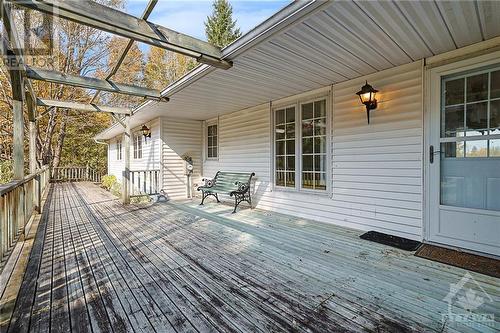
x: 367, y: 97
x: 146, y: 132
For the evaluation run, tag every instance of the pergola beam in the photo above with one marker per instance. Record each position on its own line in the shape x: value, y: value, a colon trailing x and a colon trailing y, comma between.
x: 92, y: 83
x: 108, y: 19
x: 145, y: 15
x: 81, y: 106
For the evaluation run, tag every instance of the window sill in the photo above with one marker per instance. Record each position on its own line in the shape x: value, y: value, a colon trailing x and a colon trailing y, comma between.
x: 325, y: 193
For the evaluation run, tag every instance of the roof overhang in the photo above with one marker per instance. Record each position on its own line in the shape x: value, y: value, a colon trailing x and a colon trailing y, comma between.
x: 309, y: 45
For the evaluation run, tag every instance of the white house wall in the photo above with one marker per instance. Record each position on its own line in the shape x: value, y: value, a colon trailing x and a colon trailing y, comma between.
x: 376, y: 169
x: 150, y: 152
x: 180, y: 137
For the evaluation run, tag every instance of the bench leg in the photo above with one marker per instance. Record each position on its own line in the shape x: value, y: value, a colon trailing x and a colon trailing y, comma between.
x: 217, y: 197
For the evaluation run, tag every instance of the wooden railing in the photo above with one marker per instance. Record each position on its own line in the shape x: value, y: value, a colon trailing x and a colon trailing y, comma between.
x: 19, y: 199
x: 75, y: 174
x: 144, y: 182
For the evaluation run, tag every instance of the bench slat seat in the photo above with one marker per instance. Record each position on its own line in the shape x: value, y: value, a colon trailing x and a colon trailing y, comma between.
x: 235, y: 184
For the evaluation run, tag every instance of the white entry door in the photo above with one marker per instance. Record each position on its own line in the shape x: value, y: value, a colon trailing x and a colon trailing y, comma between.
x: 464, y: 157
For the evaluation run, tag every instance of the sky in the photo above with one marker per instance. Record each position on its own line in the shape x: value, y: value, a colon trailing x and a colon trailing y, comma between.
x: 188, y: 16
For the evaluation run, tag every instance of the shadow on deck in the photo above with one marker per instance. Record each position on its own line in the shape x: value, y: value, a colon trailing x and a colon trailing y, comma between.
x: 97, y: 266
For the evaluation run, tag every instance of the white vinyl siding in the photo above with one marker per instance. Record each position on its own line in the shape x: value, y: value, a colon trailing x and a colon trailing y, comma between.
x: 150, y: 152
x: 179, y: 138
x: 119, y: 150
x: 376, y: 169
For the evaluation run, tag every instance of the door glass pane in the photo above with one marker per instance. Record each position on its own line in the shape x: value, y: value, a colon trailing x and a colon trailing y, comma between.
x: 454, y: 92
x: 320, y: 181
x: 495, y: 148
x: 495, y: 117
x: 453, y: 149
x: 477, y: 88
x: 495, y: 84
x: 477, y: 119
x: 453, y: 121
x: 477, y: 148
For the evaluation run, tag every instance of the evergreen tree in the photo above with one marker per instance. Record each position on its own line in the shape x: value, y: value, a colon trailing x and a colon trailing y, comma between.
x: 220, y: 27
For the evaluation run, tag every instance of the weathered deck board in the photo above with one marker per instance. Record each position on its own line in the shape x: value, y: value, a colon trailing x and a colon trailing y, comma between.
x: 98, y: 266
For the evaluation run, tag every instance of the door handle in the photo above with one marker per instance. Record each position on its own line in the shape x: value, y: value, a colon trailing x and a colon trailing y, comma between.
x: 431, y: 153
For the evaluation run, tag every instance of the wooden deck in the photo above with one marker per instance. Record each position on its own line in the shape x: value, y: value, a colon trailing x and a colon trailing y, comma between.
x: 97, y: 266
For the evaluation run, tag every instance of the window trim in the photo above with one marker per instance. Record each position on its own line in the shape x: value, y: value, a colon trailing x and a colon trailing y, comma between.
x: 135, y: 146
x: 205, y: 139
x: 119, y: 152
x: 326, y: 96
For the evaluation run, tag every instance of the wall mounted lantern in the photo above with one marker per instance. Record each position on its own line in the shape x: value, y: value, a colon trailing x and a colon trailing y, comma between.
x: 146, y: 132
x: 367, y: 97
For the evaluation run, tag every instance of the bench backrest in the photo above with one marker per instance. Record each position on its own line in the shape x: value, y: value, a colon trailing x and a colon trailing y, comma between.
x: 227, y: 180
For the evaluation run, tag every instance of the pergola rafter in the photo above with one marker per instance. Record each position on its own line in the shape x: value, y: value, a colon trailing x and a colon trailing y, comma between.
x: 117, y: 22
x: 92, y: 83
x: 81, y: 106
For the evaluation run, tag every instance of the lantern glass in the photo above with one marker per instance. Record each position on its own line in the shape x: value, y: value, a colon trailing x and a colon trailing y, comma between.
x: 366, y: 97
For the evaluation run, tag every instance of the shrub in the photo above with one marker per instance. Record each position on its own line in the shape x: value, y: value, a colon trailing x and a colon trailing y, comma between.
x: 108, y: 181
x: 116, y: 189
x: 6, y: 172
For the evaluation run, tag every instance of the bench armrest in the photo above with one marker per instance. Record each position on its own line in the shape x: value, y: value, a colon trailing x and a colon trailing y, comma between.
x: 209, y: 182
x: 242, y: 188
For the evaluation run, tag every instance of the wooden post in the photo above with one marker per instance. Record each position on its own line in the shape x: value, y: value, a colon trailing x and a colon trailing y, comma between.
x: 18, y: 134
x: 126, y: 172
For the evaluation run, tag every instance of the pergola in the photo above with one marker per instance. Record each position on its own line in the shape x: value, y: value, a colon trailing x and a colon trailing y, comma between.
x: 104, y: 18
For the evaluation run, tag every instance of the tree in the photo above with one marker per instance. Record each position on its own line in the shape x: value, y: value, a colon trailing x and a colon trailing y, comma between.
x: 220, y: 26
x: 164, y: 67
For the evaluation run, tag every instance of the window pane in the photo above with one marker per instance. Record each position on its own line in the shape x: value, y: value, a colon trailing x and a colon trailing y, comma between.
x: 308, y: 180
x: 290, y: 115
x: 320, y: 163
x: 452, y: 149
x: 307, y: 128
x: 280, y: 117
x: 280, y: 147
x: 210, y: 141
x: 280, y: 163
x: 320, y: 109
x: 477, y: 148
x: 214, y: 129
x: 477, y: 119
x: 307, y: 146
x: 453, y: 121
x: 280, y: 178
x: 495, y: 117
x: 307, y: 111
x: 477, y: 87
x: 454, y: 92
x: 290, y: 147
x: 210, y: 152
x: 495, y: 148
x: 319, y: 127
x: 290, y: 131
x: 290, y: 163
x: 495, y: 85
x: 307, y: 162
x: 280, y: 132
x: 319, y: 145
x: 290, y: 179
x: 320, y: 181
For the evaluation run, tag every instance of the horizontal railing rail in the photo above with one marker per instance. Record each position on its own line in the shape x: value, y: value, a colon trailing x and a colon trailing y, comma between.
x: 75, y: 174
x: 144, y: 182
x: 19, y: 199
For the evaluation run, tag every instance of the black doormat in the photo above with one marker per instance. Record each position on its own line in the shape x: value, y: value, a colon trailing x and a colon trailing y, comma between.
x: 394, y: 241
x: 471, y: 262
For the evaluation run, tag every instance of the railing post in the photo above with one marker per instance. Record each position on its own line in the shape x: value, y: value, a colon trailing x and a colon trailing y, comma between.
x: 126, y: 172
x: 39, y: 194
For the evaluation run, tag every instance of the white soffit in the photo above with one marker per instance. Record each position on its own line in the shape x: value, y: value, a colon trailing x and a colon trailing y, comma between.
x: 333, y: 42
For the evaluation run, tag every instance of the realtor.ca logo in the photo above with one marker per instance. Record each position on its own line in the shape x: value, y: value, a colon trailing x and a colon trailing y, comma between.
x: 29, y: 33
x: 468, y: 305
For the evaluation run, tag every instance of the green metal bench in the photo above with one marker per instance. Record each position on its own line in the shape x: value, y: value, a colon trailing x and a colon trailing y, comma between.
x: 236, y: 184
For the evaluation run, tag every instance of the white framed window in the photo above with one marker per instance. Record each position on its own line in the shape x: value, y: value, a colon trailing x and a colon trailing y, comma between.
x: 285, y: 146
x: 119, y: 149
x: 138, y: 146
x: 313, y: 145
x: 300, y: 146
x: 212, y: 141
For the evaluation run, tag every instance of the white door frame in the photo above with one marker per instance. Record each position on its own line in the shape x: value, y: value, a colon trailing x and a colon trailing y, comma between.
x: 432, y: 96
